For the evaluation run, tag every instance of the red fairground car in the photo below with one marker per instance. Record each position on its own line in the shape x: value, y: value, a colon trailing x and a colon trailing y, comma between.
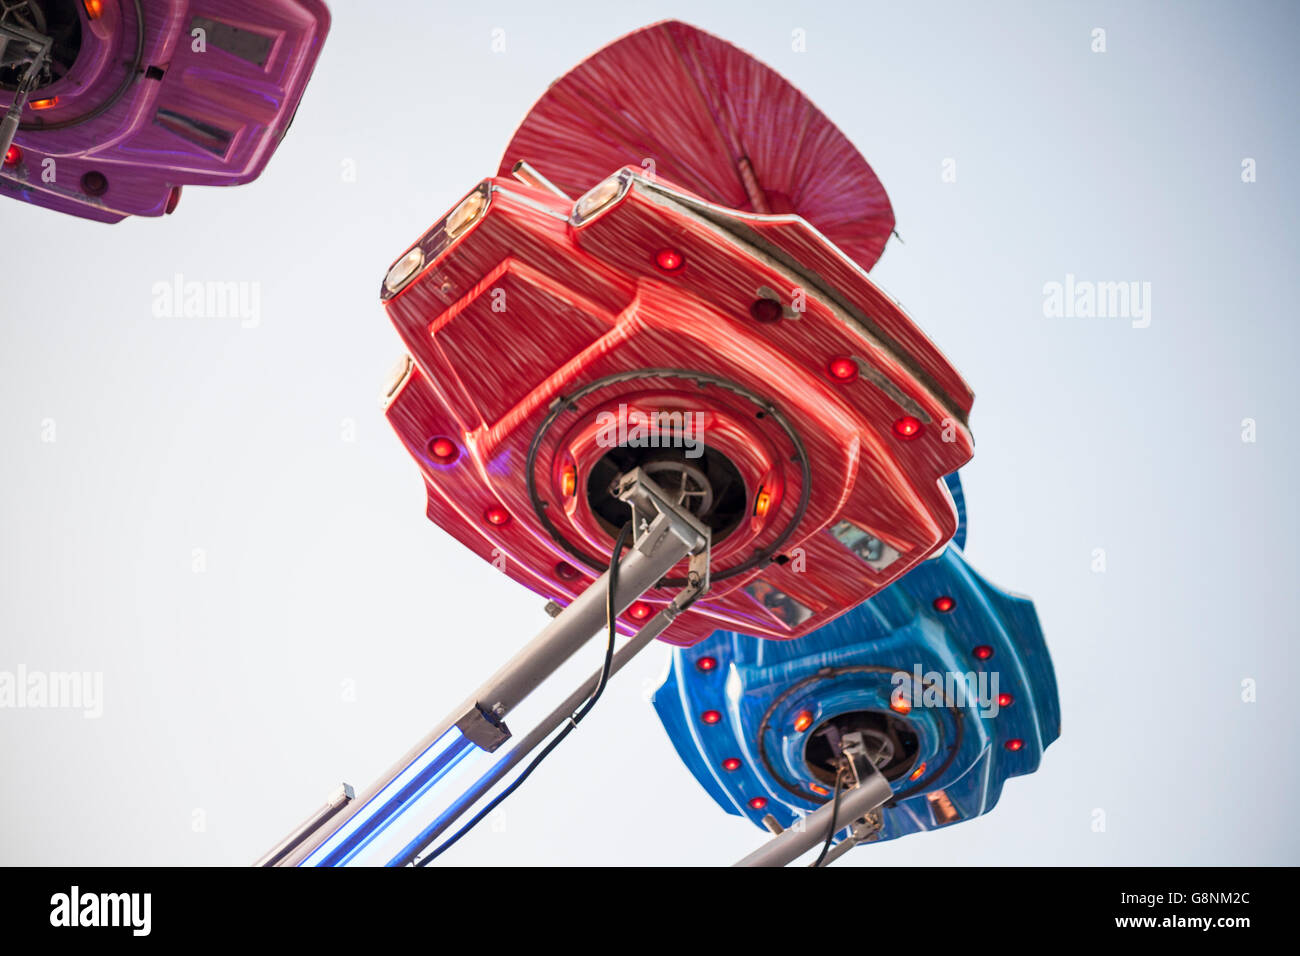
x: 702, y: 313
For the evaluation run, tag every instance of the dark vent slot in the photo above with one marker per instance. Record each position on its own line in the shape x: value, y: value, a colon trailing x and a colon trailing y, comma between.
x: 245, y: 44
x: 201, y: 134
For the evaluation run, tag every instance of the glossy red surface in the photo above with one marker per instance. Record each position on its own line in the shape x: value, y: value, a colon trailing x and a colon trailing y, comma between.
x: 524, y: 309
x: 688, y: 107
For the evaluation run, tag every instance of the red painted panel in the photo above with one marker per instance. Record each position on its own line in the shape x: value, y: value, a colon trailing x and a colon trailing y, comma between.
x: 636, y: 319
x: 695, y: 110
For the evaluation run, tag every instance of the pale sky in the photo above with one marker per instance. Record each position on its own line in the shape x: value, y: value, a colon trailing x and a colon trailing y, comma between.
x: 328, y: 624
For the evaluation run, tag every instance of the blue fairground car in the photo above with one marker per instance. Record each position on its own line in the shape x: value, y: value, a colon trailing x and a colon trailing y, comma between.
x: 944, y: 678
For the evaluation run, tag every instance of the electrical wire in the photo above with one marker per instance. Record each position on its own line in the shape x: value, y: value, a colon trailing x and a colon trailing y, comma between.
x: 835, y: 812
x: 611, y: 616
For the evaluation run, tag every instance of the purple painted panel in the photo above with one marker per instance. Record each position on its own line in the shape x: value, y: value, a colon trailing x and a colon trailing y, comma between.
x: 148, y: 96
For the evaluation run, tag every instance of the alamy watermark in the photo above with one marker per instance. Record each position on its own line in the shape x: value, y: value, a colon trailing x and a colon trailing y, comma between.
x: 53, y: 690
x: 1085, y: 299
x: 634, y: 428
x: 949, y: 689
x: 76, y: 908
x: 183, y: 298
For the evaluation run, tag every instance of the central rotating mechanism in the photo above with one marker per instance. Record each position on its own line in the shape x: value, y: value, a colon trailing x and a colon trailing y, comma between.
x: 890, y: 740
x: 701, y: 481
x: 56, y: 19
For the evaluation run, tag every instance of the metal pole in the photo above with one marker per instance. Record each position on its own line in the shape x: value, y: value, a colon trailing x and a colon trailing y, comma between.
x: 796, y: 841
x: 637, y: 573
x: 37, y: 47
x: 530, y: 741
x: 664, y: 543
x: 525, y: 173
x: 336, y: 801
x: 838, y: 850
x: 9, y: 125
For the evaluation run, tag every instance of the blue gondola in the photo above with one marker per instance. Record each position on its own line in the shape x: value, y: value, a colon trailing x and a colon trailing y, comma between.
x: 947, y: 677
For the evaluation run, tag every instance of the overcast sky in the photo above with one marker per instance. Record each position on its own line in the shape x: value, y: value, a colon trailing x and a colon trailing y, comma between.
x: 215, y: 516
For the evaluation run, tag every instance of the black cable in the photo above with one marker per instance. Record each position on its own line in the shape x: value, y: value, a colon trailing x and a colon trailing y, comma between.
x: 611, y: 615
x: 835, y: 812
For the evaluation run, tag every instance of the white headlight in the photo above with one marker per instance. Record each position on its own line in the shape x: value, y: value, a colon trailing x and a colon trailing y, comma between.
x: 462, y: 216
x: 403, y: 269
x: 597, y: 198
x: 397, y: 377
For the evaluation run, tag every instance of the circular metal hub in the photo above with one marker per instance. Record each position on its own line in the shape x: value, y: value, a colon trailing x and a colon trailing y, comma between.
x: 752, y: 447
x: 687, y: 486
x: 890, y: 740
x: 56, y: 19
x: 709, y: 485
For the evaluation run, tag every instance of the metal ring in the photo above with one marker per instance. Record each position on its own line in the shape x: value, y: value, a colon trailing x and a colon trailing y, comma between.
x: 132, y: 74
x: 827, y: 674
x: 568, y: 402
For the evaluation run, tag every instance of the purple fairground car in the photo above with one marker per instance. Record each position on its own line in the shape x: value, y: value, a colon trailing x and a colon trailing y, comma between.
x: 109, y: 107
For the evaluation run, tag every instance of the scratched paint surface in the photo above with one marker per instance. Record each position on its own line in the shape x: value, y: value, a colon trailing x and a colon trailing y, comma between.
x: 525, y: 308
x: 695, y: 110
x: 155, y: 108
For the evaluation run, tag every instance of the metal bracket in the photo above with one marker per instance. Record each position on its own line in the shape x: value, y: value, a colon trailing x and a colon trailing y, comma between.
x: 660, y: 527
x: 664, y: 534
x: 648, y: 501
x: 858, y: 803
x: 484, y: 728
x: 38, y: 48
x: 857, y: 757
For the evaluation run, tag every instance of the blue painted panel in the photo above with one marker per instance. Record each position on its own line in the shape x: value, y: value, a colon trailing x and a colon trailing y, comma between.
x: 897, y: 648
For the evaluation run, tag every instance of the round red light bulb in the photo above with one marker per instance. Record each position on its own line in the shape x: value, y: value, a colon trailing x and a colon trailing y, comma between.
x: 13, y: 156
x: 710, y: 717
x: 497, y: 515
x: 639, y: 611
x: 669, y: 260
x: 443, y: 450
x: 983, y: 652
x: 843, y: 369
x: 731, y: 764
x: 1015, y: 743
x: 757, y: 803
x: 1005, y: 700
x: 908, y: 428
x: 707, y: 663
x: 943, y: 604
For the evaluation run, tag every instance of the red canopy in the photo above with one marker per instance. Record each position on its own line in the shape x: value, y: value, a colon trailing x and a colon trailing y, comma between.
x: 713, y: 120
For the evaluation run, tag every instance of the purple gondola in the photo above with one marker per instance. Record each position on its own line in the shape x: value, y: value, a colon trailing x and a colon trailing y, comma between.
x: 110, y: 106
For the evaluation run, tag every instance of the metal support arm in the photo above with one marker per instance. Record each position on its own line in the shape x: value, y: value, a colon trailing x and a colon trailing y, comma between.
x: 792, y: 843
x: 36, y: 47
x: 663, y: 534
